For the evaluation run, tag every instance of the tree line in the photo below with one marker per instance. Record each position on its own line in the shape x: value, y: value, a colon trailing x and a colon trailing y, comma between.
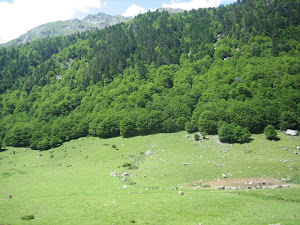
x: 229, y: 70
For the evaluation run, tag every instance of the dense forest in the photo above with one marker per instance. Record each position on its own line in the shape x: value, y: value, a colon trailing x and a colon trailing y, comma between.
x: 230, y: 70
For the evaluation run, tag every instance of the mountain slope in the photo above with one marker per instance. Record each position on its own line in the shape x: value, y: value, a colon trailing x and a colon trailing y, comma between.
x: 68, y: 27
x: 234, y: 67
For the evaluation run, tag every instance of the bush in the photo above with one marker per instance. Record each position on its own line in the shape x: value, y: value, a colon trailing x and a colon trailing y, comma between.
x: 197, y: 137
x: 204, y: 134
x: 270, y: 133
x: 27, y: 217
x: 241, y: 135
x: 133, y: 167
x: 226, y: 133
x: 126, y: 164
x: 229, y: 133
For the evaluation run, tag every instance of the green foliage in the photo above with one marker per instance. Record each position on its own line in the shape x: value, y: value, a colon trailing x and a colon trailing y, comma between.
x: 289, y: 120
x: 208, y: 122
x: 190, y: 127
x: 19, y: 135
x: 226, y: 133
x: 270, y: 133
x: 204, y: 134
x: 197, y: 137
x: 231, y: 133
x: 128, y: 127
x: 160, y: 73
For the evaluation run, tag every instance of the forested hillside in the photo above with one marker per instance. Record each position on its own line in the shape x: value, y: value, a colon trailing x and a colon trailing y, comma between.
x: 233, y: 70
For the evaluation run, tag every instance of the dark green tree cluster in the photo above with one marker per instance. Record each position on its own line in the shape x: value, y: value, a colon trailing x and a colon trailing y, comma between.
x: 227, y: 70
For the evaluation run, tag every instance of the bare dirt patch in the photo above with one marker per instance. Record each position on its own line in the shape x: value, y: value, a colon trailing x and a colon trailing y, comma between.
x: 239, y: 183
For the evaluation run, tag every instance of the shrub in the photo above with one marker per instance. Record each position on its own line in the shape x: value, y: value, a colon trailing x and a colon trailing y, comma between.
x: 126, y: 164
x: 133, y: 167
x: 230, y: 133
x: 204, y: 134
x: 226, y: 133
x: 241, y: 135
x: 270, y: 133
x: 197, y: 137
x: 27, y: 217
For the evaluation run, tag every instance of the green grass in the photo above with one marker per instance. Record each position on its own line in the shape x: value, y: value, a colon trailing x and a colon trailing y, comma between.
x: 72, y: 184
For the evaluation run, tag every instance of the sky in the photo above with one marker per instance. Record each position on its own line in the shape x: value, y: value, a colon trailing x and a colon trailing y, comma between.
x: 19, y: 16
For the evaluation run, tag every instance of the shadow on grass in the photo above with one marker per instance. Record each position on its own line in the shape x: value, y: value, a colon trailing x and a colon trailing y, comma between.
x: 274, y: 139
x: 3, y: 150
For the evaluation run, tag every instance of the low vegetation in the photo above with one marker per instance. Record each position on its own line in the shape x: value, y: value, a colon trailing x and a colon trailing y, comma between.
x: 160, y: 72
x: 98, y: 189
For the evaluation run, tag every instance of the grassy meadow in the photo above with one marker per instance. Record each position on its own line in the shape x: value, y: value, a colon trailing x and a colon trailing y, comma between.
x: 76, y: 183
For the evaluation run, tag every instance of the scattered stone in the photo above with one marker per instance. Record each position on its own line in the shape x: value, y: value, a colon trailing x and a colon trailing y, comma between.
x: 34, y: 166
x: 125, y: 186
x: 298, y: 147
x: 227, y: 188
x: 113, y: 174
x: 224, y: 176
x: 186, y: 164
x: 221, y: 188
x: 187, y: 136
x: 180, y: 192
x: 285, y: 186
x: 149, y: 152
x: 233, y: 188
x: 276, y: 186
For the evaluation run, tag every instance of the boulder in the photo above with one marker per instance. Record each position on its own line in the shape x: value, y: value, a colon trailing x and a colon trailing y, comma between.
x: 291, y: 132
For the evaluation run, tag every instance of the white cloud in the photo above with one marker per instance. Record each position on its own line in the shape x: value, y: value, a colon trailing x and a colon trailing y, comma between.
x: 22, y: 15
x: 134, y: 10
x: 193, y: 4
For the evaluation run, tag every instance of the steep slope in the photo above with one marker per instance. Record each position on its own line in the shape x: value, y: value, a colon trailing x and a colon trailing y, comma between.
x: 234, y: 67
x: 68, y: 27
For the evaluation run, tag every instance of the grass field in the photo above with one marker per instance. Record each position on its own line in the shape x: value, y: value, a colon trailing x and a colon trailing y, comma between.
x: 72, y: 184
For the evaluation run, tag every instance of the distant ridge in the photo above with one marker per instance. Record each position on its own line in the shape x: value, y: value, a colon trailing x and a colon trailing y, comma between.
x: 62, y: 28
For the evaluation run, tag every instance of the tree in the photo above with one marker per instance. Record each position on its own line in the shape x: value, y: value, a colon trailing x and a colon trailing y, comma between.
x: 207, y: 122
x: 270, y: 133
x: 19, y: 135
x: 288, y: 120
x: 127, y: 127
x: 190, y: 127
